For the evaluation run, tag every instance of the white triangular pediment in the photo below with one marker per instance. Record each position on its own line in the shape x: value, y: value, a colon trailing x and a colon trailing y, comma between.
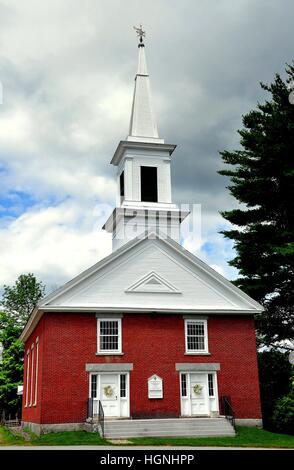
x: 155, y: 378
x: 154, y: 284
x: 131, y: 278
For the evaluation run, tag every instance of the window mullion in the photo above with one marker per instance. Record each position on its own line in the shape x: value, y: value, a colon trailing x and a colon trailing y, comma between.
x: 196, y: 336
x: 109, y: 335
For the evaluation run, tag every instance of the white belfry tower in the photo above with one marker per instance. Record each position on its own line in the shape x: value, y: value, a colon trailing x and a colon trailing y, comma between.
x: 144, y: 201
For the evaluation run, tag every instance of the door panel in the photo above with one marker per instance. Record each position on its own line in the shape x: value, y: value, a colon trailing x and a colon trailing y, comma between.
x: 109, y: 394
x: 199, y: 394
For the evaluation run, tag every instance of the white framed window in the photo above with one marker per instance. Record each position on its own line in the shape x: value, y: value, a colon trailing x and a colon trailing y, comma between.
x: 93, y: 385
x: 32, y: 375
x: 123, y: 385
x: 196, y: 340
x: 109, y: 335
x: 184, y: 385
x: 211, y: 386
x: 36, y: 371
x: 27, y: 378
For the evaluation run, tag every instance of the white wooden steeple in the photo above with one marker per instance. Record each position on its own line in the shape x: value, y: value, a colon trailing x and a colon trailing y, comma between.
x: 144, y: 199
x: 143, y: 126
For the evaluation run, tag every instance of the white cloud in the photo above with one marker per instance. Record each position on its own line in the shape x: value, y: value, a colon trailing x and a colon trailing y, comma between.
x: 16, y: 131
x: 55, y: 243
x: 67, y: 71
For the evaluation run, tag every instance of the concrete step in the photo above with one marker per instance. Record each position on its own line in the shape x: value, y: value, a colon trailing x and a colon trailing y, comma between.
x: 169, y: 435
x: 120, y: 435
x: 167, y: 428
x: 158, y: 423
x: 191, y: 427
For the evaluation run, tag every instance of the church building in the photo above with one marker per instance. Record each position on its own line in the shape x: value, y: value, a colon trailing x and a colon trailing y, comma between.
x: 150, y: 340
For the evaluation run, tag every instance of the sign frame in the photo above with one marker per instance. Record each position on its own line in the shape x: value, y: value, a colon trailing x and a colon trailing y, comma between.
x: 155, y: 387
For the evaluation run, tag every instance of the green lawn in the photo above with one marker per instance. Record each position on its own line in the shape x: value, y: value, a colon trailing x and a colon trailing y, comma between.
x: 7, y: 439
x: 54, y: 439
x: 246, y: 437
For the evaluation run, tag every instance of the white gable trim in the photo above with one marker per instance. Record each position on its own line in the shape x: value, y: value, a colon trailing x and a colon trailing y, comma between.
x: 192, y: 273
x: 134, y: 255
x: 147, y: 284
x: 214, y: 274
x: 88, y: 272
x: 139, y: 309
x: 102, y: 275
x: 31, y: 324
x: 128, y: 246
x: 253, y: 306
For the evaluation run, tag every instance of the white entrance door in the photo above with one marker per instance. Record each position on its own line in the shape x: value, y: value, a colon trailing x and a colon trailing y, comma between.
x: 109, y: 394
x: 199, y: 394
x: 194, y: 394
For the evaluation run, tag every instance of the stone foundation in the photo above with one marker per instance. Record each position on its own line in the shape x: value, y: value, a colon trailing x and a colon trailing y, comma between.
x: 47, y: 428
x: 250, y: 423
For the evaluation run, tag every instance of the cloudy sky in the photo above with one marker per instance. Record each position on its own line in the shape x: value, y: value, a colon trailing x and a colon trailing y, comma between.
x: 66, y: 73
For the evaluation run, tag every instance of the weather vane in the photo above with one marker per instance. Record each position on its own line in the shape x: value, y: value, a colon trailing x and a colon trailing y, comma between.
x: 140, y: 33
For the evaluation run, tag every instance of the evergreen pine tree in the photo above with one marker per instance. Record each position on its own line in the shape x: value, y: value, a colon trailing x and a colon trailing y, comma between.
x: 262, y: 180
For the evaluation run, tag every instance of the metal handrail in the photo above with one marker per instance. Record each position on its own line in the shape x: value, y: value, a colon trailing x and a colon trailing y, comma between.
x: 91, y: 414
x: 226, y: 409
x: 90, y: 410
x: 101, y: 418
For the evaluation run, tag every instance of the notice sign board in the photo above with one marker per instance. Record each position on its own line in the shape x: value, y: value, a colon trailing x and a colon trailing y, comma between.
x: 155, y: 389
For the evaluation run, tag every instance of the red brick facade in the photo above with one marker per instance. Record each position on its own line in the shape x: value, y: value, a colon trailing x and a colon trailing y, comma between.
x: 154, y: 344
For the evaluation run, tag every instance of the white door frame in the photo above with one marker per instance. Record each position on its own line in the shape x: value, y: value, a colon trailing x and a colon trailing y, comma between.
x: 188, y: 397
x: 119, y: 399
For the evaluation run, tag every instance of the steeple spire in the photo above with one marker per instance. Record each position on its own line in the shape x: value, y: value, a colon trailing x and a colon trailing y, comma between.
x: 143, y: 126
x: 144, y: 200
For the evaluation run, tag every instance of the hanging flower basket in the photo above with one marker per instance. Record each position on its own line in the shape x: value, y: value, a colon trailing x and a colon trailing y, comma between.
x: 197, y: 389
x: 108, y: 391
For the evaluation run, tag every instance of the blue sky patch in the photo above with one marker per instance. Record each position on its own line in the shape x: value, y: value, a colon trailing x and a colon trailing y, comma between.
x: 15, y: 203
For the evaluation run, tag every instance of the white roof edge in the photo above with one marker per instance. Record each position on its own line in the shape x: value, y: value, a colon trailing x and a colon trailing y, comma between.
x: 42, y: 306
x: 156, y: 235
x: 127, y: 144
x: 31, y: 323
x: 110, y: 309
x: 88, y: 272
x: 205, y: 267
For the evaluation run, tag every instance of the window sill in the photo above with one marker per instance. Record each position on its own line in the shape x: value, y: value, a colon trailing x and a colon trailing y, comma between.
x: 109, y: 354
x: 197, y: 353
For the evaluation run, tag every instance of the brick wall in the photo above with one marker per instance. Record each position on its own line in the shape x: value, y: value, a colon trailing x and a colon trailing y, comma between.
x: 153, y: 345
x: 33, y: 412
